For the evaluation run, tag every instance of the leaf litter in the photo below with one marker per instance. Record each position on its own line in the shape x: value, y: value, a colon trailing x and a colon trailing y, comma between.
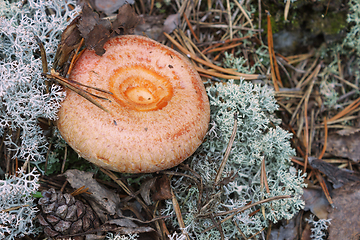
x: 301, y: 107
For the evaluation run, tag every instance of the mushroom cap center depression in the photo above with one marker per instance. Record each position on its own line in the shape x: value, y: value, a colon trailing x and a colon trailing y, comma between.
x: 139, y: 88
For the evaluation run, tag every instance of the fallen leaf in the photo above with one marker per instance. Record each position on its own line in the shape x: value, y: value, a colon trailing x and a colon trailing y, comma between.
x: 101, y: 199
x: 316, y: 202
x: 145, y: 189
x: 94, y: 30
x: 344, y: 146
x: 348, y: 131
x: 70, y: 40
x: 151, y: 26
x: 306, y: 233
x: 124, y: 226
x: 171, y: 23
x: 122, y: 222
x: 288, y: 231
x: 337, y: 176
x: 126, y: 20
x: 345, y: 216
x: 110, y: 6
x: 163, y: 189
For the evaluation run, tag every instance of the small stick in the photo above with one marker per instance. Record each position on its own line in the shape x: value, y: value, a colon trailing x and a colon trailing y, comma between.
x: 43, y: 55
x: 312, y: 76
x: 126, y: 189
x: 81, y: 190
x: 14, y: 208
x: 227, y: 152
x: 275, y: 74
x: 325, y: 139
x: 244, y: 12
x: 263, y: 181
x: 230, y: 20
x: 224, y: 48
x: 346, y: 110
x: 239, y: 210
x: 75, y: 58
x: 307, y: 96
x: 220, y: 69
x: 220, y: 75
x: 206, y: 50
x: 324, y: 187
x: 68, y: 83
x: 81, y: 92
x: 346, y: 82
x: 191, y: 28
x: 178, y: 215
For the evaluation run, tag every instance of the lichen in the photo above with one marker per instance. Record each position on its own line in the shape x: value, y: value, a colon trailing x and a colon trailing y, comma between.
x: 258, y: 137
x: 17, y: 207
x: 24, y: 95
x: 318, y: 228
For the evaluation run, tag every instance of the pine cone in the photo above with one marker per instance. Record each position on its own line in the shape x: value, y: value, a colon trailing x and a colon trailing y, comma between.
x: 61, y: 214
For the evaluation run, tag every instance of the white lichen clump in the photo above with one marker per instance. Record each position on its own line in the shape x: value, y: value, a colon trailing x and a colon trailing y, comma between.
x: 17, y: 208
x: 318, y: 228
x: 24, y: 98
x: 118, y: 236
x: 24, y: 95
x: 258, y: 137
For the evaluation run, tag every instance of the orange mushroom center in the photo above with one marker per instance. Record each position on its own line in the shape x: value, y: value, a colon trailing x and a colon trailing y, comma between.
x: 139, y: 88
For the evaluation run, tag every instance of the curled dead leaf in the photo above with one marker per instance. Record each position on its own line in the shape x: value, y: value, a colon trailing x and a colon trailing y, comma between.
x: 345, y: 215
x: 145, y: 190
x: 126, y: 21
x: 95, y: 31
x: 337, y: 176
x: 163, y: 189
x: 102, y: 199
x: 344, y: 146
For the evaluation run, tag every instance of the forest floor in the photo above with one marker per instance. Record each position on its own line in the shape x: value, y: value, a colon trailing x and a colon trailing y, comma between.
x: 314, y: 73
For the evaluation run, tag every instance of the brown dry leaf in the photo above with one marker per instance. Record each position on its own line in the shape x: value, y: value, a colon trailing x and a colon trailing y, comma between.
x: 163, y: 190
x: 94, y: 30
x: 306, y: 233
x: 160, y: 187
x: 125, y: 226
x: 345, y: 223
x: 287, y: 231
x: 110, y: 6
x: 126, y: 20
x: 348, y: 131
x: 316, y: 202
x: 97, y: 31
x: 70, y: 40
x: 344, y: 146
x: 102, y: 199
x: 337, y: 176
x: 171, y: 23
x: 151, y: 26
x: 145, y: 190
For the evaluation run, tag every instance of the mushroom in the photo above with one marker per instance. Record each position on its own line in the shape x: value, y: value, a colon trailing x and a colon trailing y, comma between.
x: 158, y: 113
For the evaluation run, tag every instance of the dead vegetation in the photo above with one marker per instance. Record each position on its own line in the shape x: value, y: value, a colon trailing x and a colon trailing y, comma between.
x: 325, y: 138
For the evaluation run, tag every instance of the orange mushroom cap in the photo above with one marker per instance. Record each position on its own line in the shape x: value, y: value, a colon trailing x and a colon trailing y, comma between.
x: 158, y: 114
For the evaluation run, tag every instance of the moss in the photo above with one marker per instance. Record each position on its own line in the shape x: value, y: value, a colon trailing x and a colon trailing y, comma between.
x: 330, y: 24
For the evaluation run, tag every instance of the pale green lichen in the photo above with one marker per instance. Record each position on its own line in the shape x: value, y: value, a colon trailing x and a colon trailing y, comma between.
x: 24, y: 98
x: 240, y: 64
x: 318, y: 228
x: 112, y: 236
x: 352, y: 39
x: 17, y: 207
x: 258, y: 137
x: 24, y: 95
